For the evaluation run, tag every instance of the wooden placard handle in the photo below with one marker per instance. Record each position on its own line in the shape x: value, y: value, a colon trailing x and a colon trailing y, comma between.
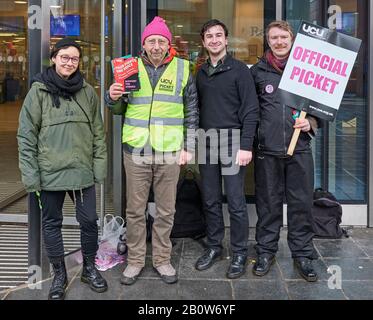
x: 294, y: 138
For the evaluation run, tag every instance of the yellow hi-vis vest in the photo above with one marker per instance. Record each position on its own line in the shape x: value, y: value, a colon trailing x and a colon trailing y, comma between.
x: 159, y: 115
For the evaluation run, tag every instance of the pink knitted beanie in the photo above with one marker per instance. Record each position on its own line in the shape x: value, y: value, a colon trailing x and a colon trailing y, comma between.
x: 156, y: 27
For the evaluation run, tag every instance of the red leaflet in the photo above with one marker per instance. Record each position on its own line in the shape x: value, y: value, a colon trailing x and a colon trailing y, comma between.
x: 126, y: 72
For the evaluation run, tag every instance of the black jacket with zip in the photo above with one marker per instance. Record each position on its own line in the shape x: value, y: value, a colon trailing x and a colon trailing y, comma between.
x: 276, y: 119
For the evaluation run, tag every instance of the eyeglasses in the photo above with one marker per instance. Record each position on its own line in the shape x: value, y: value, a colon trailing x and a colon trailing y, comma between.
x: 66, y: 59
x: 152, y: 42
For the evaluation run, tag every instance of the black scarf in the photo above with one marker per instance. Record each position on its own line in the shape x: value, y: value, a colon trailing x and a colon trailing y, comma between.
x: 58, y: 86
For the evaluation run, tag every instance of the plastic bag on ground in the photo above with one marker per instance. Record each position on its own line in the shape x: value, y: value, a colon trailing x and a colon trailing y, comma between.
x: 113, y: 234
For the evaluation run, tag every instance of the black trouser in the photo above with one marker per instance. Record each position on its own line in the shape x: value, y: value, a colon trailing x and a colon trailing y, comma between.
x: 52, y: 203
x: 274, y: 178
x: 212, y: 176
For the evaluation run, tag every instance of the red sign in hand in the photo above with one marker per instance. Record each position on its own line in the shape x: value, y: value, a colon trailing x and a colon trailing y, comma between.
x: 126, y: 72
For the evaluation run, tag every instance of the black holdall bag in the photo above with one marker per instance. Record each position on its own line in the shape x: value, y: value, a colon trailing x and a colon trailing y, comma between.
x: 327, y: 216
x: 189, y: 221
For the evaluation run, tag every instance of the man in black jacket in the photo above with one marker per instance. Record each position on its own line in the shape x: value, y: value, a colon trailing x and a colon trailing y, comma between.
x: 229, y: 112
x: 276, y: 174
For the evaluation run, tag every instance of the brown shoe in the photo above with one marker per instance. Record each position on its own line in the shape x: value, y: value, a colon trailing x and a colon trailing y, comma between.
x: 167, y: 273
x: 130, y: 275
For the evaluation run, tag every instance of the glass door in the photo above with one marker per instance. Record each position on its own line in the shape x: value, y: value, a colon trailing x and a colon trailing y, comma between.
x: 341, y: 146
x: 89, y: 23
x: 13, y: 89
x: 245, y: 20
x: 348, y: 169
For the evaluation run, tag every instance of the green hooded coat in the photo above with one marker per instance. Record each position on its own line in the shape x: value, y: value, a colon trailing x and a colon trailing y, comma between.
x: 61, y: 148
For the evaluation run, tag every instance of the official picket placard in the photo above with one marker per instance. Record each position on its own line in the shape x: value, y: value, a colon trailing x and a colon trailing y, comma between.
x: 318, y: 70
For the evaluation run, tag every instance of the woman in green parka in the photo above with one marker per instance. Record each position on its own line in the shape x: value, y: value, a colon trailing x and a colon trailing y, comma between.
x: 62, y: 148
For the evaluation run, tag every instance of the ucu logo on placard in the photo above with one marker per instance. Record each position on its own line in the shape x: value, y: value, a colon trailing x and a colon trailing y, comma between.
x: 313, y: 30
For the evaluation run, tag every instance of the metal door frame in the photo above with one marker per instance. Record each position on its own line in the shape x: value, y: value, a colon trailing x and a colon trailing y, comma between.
x: 129, y: 21
x: 370, y: 115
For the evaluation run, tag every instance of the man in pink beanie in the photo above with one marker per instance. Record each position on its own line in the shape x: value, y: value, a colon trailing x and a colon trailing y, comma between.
x: 155, y: 121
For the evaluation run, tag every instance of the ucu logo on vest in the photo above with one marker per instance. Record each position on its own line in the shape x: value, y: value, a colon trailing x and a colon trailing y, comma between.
x: 166, y: 81
x: 166, y: 85
x: 313, y: 30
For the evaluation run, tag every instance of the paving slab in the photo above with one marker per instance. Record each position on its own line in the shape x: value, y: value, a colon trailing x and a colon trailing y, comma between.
x: 303, y: 290
x: 3, y: 294
x: 41, y: 290
x: 259, y: 290
x: 352, y: 268
x: 358, y: 290
x: 23, y: 293
x: 362, y: 233
x: 354, y: 257
x: 344, y: 248
x: 205, y: 290
x: 366, y: 246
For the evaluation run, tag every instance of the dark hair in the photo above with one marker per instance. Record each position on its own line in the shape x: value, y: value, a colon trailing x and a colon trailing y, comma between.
x: 213, y: 23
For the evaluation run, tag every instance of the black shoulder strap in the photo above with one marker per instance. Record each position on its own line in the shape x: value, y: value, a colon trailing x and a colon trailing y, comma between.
x: 85, y: 113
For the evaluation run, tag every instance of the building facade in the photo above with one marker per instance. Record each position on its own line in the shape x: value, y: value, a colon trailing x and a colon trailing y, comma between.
x: 343, y: 150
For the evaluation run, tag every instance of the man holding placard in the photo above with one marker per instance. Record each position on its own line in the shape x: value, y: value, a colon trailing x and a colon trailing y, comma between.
x: 277, y: 174
x: 311, y: 79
